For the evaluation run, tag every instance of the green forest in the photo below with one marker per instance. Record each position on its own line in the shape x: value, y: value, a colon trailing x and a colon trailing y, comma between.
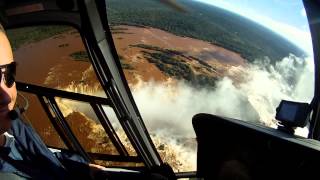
x: 204, y: 22
x: 27, y: 35
x: 170, y: 62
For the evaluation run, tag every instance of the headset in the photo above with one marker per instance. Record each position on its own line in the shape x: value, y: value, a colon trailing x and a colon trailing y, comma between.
x: 13, y: 114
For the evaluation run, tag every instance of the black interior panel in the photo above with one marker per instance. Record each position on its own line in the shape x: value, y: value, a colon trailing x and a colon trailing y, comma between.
x: 233, y: 149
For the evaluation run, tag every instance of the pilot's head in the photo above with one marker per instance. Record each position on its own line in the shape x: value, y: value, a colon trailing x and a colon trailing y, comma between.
x: 8, y: 91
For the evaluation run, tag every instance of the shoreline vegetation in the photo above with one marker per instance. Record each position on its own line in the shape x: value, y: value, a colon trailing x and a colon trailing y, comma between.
x: 33, y: 34
x: 204, y: 22
x: 173, y: 64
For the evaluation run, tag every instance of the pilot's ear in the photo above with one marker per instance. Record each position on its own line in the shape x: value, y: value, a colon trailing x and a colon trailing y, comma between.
x: 1, y: 27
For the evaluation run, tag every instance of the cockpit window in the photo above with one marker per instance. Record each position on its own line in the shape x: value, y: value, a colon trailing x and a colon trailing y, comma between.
x: 54, y: 57
x: 86, y: 127
x: 232, y: 58
x: 36, y: 116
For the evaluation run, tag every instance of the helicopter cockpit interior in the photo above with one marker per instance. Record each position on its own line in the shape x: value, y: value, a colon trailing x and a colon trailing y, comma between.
x: 74, y: 90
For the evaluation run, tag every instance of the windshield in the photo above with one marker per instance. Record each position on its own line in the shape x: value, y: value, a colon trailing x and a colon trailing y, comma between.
x: 54, y: 56
x: 232, y: 58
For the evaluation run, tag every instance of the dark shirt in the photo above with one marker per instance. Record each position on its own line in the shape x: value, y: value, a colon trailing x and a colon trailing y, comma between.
x: 14, y: 154
x: 28, y: 156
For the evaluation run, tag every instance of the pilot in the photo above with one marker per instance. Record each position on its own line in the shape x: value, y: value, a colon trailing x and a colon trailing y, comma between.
x: 23, y: 155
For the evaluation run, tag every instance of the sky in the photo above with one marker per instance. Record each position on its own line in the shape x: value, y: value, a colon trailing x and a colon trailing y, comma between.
x: 285, y: 17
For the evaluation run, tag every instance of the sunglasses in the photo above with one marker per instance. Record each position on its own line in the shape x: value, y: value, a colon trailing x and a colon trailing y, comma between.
x: 8, y: 71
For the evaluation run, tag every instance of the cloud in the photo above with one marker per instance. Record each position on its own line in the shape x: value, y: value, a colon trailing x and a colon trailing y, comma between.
x: 303, y: 12
x: 167, y: 108
x: 170, y: 106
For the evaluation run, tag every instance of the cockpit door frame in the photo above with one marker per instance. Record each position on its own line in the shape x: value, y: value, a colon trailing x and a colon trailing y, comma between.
x: 106, y: 64
x: 313, y: 13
